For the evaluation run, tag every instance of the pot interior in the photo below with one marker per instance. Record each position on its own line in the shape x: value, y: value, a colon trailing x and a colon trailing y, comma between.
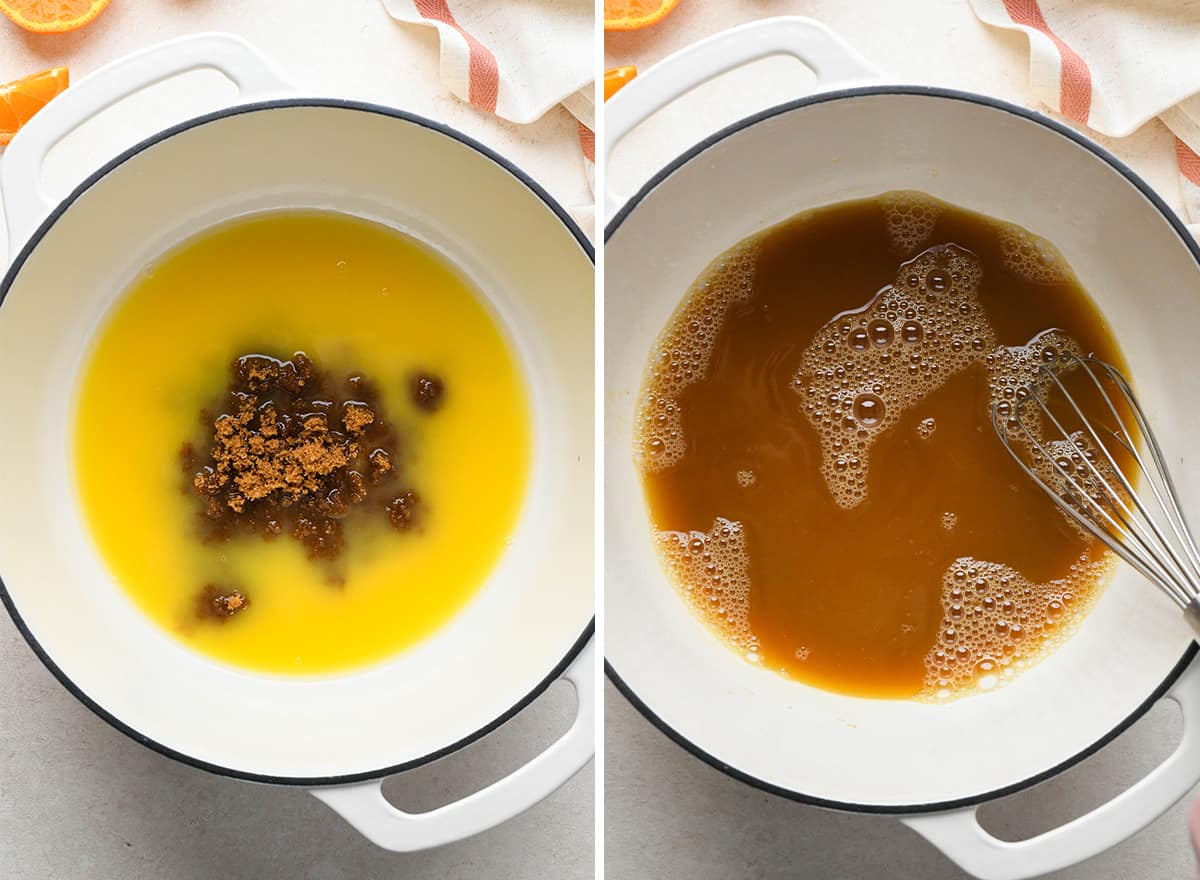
x: 1144, y: 274
x: 527, y: 619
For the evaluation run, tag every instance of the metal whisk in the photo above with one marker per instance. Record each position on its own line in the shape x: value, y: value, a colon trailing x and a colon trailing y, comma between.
x: 1135, y: 513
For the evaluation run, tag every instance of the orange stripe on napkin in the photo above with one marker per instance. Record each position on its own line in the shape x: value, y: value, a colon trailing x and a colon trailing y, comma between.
x: 1189, y: 162
x: 483, y: 82
x: 587, y: 142
x: 1075, y: 79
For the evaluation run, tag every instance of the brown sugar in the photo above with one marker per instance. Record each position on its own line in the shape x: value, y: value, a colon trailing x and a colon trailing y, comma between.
x: 404, y: 510
x: 381, y: 464
x: 427, y: 391
x: 292, y: 451
x: 220, y: 604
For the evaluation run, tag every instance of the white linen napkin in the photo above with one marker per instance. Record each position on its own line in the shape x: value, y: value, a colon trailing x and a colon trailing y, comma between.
x: 517, y: 60
x: 1115, y: 66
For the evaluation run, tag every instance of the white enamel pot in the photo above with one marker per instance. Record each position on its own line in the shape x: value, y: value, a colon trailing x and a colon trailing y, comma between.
x: 930, y: 765
x: 529, y: 625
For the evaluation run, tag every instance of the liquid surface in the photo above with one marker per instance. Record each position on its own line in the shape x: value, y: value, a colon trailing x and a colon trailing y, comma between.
x: 819, y: 461
x: 354, y: 296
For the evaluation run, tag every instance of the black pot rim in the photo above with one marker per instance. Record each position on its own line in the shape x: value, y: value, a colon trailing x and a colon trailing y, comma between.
x: 1117, y: 165
x: 10, y: 277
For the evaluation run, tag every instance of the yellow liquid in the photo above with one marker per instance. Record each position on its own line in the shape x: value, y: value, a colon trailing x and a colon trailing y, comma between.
x: 355, y: 296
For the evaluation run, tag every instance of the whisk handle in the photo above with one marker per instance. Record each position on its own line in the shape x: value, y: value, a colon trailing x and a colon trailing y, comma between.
x: 958, y: 834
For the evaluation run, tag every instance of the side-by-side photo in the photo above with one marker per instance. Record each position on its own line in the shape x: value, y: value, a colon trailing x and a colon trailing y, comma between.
x: 899, y: 577
x: 297, y: 344
x: 599, y: 440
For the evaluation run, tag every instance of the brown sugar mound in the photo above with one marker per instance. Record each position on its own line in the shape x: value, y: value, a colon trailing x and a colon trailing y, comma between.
x: 292, y: 451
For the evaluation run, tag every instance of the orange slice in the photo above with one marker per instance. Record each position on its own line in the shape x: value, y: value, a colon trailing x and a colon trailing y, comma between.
x: 52, y: 16
x: 617, y: 78
x: 629, y: 15
x: 19, y: 100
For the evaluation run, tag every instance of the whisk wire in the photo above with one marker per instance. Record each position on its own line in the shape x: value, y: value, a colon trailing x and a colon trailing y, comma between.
x: 1165, y: 495
x: 1178, y: 520
x: 1110, y: 495
x: 1075, y: 505
x: 1145, y: 526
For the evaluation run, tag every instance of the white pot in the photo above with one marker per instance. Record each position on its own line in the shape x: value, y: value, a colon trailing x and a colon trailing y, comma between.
x: 933, y: 765
x: 530, y: 624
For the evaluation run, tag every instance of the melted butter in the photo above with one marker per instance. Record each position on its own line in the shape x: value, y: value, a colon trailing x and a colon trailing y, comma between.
x: 356, y: 297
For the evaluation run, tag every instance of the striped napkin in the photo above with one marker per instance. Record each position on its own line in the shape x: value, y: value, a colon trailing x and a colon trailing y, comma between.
x: 517, y: 60
x: 1115, y: 66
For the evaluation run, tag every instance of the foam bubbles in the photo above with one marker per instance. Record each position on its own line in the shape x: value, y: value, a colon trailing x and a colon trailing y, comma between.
x: 1031, y: 256
x: 859, y: 376
x: 910, y: 217
x: 996, y: 622
x: 710, y: 570
x: 865, y: 368
x: 682, y: 354
x: 1012, y: 374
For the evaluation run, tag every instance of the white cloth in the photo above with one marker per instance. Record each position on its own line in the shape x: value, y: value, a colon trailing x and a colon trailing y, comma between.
x: 1115, y: 66
x: 517, y: 60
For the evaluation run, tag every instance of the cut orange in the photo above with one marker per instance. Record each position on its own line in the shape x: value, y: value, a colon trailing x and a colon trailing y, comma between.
x: 19, y: 100
x: 617, y: 78
x: 629, y: 15
x: 52, y: 16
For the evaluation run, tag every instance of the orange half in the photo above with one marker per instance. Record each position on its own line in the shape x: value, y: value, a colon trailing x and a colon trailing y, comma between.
x: 630, y: 15
x: 52, y: 16
x: 19, y: 100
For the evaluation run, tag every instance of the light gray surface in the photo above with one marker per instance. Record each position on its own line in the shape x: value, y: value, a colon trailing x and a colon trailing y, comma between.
x: 80, y: 800
x: 670, y: 816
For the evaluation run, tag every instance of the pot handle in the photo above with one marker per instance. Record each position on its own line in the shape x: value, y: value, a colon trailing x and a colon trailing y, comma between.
x: 831, y: 58
x: 25, y: 203
x: 364, y: 806
x: 963, y: 840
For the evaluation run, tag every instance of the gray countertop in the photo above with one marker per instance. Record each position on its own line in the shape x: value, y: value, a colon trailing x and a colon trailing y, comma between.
x: 670, y: 816
x: 80, y: 800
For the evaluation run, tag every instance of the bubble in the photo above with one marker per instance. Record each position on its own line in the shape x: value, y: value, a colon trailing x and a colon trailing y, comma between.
x: 911, y: 332
x: 938, y: 281
x: 926, y: 427
x: 745, y: 479
x: 869, y: 410
x: 881, y: 332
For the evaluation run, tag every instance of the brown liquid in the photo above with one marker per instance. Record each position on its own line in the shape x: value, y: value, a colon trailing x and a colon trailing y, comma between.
x: 908, y: 556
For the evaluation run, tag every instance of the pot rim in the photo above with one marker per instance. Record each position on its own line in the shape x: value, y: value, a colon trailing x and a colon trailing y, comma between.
x: 1189, y: 242
x: 14, y: 270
